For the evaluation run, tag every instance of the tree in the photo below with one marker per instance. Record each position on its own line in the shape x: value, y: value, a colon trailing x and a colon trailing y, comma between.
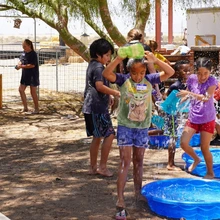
x: 96, y: 13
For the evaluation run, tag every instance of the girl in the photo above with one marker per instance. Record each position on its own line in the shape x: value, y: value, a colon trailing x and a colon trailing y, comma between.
x: 200, y: 89
x: 30, y: 74
x: 153, y: 46
x: 134, y: 118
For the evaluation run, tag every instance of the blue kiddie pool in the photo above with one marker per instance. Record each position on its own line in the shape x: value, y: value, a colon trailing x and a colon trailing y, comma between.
x: 200, y: 170
x: 159, y: 141
x: 191, y: 199
x: 162, y: 141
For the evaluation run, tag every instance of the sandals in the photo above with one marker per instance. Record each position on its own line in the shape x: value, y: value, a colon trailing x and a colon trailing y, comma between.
x: 121, y: 213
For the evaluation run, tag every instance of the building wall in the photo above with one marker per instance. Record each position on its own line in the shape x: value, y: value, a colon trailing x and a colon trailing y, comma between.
x: 204, y: 21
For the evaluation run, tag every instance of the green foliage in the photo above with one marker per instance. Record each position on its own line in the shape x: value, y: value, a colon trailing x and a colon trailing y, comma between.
x: 57, y: 14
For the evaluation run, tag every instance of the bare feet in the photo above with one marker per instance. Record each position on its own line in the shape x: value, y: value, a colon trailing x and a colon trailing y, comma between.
x: 209, y: 176
x: 173, y: 168
x: 105, y: 172
x: 92, y: 171
x: 140, y: 197
x: 36, y: 111
x: 24, y: 110
x: 120, y: 204
x: 194, y: 164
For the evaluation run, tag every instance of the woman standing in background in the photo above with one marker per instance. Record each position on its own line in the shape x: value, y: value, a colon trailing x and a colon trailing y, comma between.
x: 30, y: 74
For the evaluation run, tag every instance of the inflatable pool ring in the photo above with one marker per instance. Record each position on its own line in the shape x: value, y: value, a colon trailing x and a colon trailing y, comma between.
x: 200, y: 169
x: 187, y: 198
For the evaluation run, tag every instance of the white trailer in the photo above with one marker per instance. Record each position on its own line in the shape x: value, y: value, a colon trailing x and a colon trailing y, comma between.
x: 203, y: 26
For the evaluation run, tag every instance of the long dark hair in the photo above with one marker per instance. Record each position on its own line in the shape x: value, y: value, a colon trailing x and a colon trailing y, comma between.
x: 29, y: 42
x: 203, y: 62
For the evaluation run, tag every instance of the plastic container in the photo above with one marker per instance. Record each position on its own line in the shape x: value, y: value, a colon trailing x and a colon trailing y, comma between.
x: 162, y: 141
x: 200, y: 169
x: 187, y: 198
x: 159, y: 141
x: 172, y: 105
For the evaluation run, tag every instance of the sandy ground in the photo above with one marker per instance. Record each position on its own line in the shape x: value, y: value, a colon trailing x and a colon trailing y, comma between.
x: 44, y: 162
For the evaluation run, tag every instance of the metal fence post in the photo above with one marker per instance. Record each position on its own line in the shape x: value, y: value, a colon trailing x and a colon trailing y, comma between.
x: 0, y: 91
x: 57, y: 89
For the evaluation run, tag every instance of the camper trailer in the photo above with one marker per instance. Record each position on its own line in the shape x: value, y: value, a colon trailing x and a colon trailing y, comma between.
x: 203, y: 27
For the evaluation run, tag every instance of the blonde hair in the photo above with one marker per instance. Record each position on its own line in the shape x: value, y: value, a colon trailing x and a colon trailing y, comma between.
x: 135, y: 34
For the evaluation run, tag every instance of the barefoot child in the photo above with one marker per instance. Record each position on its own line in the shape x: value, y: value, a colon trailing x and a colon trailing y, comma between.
x: 134, y: 118
x: 171, y: 121
x: 200, y: 88
x: 95, y: 107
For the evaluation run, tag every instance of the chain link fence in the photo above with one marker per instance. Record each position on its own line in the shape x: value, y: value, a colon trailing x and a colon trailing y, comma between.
x: 61, y: 70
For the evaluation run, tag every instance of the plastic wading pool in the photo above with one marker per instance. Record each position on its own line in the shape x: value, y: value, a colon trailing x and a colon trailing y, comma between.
x: 187, y: 198
x: 200, y: 169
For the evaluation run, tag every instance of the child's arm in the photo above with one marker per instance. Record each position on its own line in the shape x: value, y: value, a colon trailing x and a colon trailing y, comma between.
x: 108, y: 72
x: 167, y: 70
x: 209, y: 93
x: 100, y: 87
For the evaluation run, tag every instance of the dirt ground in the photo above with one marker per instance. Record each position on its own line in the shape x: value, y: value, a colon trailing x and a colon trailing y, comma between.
x: 44, y: 162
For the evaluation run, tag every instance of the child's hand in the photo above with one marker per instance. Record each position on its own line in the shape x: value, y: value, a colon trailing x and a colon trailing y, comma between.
x: 117, y: 93
x: 182, y: 93
x: 17, y: 67
x: 150, y: 58
x: 111, y: 100
x: 183, y: 99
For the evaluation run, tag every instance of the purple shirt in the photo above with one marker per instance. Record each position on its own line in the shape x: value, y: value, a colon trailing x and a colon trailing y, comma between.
x: 201, y: 112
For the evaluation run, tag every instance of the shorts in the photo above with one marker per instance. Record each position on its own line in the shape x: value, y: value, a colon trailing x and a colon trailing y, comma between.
x: 132, y: 137
x: 99, y: 125
x: 29, y: 79
x: 170, y: 125
x: 208, y: 127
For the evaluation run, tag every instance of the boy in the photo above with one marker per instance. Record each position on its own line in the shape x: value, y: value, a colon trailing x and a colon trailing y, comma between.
x: 182, y: 70
x: 95, y: 107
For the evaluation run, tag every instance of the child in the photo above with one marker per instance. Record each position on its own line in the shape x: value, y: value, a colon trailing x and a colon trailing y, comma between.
x: 30, y: 75
x: 159, y: 89
x: 200, y: 88
x: 134, y: 36
x: 182, y: 70
x: 153, y: 46
x: 134, y: 118
x: 95, y: 107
